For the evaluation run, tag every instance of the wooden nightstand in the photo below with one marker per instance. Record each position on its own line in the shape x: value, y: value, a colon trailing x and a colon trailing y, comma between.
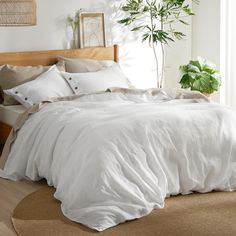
x: 4, y: 132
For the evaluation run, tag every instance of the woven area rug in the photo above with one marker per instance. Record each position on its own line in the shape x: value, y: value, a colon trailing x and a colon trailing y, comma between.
x: 212, y: 214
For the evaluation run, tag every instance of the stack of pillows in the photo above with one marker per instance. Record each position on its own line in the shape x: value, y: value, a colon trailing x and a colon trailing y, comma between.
x: 29, y: 85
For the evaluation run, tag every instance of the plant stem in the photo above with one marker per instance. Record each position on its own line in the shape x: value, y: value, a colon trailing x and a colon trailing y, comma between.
x: 163, y: 57
x: 157, y: 65
x: 163, y: 65
x: 154, y: 49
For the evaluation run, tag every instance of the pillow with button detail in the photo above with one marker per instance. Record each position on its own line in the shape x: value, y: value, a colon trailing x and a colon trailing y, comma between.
x: 97, y: 81
x: 12, y: 76
x: 48, y: 85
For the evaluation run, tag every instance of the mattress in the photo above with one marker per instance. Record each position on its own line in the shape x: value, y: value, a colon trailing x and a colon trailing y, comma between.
x: 9, y: 114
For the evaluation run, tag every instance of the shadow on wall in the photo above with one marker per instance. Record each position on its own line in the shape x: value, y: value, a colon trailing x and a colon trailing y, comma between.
x: 136, y: 58
x: 116, y: 33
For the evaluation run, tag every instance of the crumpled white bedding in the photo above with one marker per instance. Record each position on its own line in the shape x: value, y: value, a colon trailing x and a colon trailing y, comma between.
x: 114, y: 157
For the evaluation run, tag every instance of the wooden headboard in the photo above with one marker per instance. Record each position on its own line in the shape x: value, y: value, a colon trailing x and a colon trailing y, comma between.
x: 46, y: 58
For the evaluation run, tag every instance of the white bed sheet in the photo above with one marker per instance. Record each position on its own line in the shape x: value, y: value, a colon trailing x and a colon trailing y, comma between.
x: 9, y: 114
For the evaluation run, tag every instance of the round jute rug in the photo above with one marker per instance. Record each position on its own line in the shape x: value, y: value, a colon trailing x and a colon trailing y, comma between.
x: 212, y: 214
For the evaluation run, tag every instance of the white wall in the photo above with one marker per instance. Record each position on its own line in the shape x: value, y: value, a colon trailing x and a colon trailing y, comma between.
x: 228, y: 49
x: 136, y: 58
x: 178, y: 53
x: 206, y: 32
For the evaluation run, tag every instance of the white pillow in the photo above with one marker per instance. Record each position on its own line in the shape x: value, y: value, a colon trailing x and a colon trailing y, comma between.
x: 96, y: 81
x: 47, y: 85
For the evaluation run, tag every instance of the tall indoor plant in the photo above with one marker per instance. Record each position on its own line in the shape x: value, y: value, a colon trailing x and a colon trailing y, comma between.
x: 155, y: 20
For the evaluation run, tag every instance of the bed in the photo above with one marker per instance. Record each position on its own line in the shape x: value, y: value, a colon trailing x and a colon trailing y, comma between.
x: 114, y: 155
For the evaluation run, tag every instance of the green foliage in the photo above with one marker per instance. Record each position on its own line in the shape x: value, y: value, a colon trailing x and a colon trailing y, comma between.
x: 200, y: 75
x: 162, y: 15
x: 156, y: 20
x: 74, y: 21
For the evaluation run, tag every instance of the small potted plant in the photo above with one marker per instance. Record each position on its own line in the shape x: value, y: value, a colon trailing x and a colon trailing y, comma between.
x: 74, y: 22
x: 200, y: 75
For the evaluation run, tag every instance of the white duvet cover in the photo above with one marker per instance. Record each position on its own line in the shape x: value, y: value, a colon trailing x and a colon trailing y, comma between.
x: 114, y: 157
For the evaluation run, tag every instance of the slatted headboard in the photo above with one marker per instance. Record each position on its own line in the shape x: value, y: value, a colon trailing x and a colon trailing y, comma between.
x: 46, y: 58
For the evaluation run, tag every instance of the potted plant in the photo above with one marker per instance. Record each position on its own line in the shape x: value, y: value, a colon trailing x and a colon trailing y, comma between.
x: 156, y: 20
x: 200, y: 75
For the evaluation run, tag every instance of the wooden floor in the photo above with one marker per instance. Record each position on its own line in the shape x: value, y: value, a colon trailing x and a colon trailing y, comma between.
x: 11, y: 193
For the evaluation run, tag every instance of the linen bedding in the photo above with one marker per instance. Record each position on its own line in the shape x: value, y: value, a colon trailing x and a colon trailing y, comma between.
x: 115, y: 156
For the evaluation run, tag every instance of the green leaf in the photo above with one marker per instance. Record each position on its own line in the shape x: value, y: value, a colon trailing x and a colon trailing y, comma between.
x: 183, y: 22
x: 202, y: 62
x: 145, y: 9
x: 215, y: 84
x: 188, y: 10
x: 196, y: 63
x: 178, y: 35
x: 193, y: 68
x: 185, y: 81
x: 183, y: 69
x: 193, y: 75
x: 138, y: 28
x: 126, y: 21
x: 196, y: 86
x: 145, y: 37
x: 202, y: 76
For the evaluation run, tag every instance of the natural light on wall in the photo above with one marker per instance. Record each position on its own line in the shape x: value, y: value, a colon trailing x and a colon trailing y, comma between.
x: 228, y: 49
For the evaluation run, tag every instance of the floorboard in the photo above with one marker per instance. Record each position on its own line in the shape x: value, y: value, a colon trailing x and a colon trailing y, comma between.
x: 11, y: 193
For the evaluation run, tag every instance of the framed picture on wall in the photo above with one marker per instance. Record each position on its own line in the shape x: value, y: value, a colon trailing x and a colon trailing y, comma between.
x: 92, y: 30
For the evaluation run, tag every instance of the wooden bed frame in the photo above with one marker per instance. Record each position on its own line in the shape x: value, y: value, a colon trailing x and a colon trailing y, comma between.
x: 46, y: 58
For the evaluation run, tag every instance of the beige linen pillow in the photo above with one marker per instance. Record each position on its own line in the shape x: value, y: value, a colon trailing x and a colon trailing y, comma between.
x: 77, y: 65
x: 12, y: 76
